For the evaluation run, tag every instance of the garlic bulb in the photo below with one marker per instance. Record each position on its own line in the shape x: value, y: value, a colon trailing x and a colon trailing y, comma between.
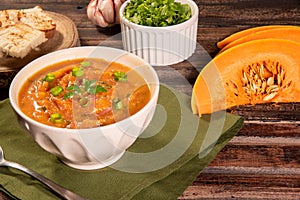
x: 104, y: 13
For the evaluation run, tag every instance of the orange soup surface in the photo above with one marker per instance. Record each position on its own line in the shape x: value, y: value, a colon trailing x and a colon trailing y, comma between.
x: 83, y: 93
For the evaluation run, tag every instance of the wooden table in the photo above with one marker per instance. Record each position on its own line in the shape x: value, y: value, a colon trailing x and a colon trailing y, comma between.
x: 263, y: 160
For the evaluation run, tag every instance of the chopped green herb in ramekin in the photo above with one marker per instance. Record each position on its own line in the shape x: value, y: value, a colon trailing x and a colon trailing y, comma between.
x: 157, y: 13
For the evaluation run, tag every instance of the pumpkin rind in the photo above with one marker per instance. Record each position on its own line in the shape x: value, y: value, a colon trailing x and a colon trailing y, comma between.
x: 227, y: 80
x: 289, y: 33
x: 246, y: 32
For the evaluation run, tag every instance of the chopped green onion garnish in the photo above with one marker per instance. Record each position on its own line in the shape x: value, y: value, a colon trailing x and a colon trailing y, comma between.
x: 117, y: 104
x: 56, y: 90
x: 85, y: 64
x: 49, y: 77
x: 157, y: 13
x: 88, y: 84
x: 70, y: 87
x: 56, y: 118
x: 75, y: 88
x: 120, y: 76
x: 84, y: 101
x: 96, y: 89
x: 91, y: 87
x: 69, y: 95
x: 77, y: 71
x: 99, y: 88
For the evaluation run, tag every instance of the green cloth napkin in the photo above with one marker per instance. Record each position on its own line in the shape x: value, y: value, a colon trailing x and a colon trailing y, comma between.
x: 161, y: 164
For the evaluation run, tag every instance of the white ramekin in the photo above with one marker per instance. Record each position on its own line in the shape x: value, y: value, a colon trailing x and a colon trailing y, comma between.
x: 161, y: 45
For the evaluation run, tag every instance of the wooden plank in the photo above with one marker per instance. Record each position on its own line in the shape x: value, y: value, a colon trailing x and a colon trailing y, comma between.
x: 271, y: 129
x: 241, y: 192
x: 256, y: 155
x: 245, y: 183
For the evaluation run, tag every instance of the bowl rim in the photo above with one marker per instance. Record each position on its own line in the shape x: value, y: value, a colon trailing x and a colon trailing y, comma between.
x: 15, y: 81
x: 191, y: 3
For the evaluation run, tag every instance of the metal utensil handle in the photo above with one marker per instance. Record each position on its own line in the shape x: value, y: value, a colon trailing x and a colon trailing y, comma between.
x: 62, y: 192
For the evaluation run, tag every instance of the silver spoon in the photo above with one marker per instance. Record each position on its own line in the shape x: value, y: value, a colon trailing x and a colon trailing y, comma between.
x: 60, y: 191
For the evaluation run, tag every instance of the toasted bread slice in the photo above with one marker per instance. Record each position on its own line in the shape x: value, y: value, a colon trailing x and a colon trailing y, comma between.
x: 34, y: 17
x: 19, y: 39
x: 24, y: 30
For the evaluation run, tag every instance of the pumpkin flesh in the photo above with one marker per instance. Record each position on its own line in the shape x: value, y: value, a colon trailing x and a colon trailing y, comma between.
x: 259, y: 71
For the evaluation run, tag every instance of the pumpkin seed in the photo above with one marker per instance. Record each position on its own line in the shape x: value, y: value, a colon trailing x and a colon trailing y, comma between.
x: 233, y: 87
x: 270, y: 81
x: 269, y: 68
x: 270, y: 96
x: 261, y: 72
x: 262, y: 78
x: 264, y: 86
x: 272, y: 88
x: 279, y: 79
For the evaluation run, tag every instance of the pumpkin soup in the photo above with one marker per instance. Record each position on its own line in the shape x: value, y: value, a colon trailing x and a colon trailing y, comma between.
x: 83, y: 93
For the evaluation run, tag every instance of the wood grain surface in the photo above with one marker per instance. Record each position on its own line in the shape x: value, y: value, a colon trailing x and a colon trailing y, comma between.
x: 263, y: 159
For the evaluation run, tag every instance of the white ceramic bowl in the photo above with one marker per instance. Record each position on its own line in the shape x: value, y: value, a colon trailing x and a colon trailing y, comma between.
x: 95, y: 147
x: 161, y: 45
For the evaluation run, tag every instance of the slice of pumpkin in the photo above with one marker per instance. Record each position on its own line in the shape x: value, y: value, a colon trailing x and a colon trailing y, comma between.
x: 259, y: 71
x: 289, y: 33
x: 246, y: 32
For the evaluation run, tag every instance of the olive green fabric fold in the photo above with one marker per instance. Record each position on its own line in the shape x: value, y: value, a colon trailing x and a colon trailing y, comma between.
x: 162, y: 162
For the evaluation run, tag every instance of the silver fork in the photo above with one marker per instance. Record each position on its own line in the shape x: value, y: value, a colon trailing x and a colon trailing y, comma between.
x: 60, y: 191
